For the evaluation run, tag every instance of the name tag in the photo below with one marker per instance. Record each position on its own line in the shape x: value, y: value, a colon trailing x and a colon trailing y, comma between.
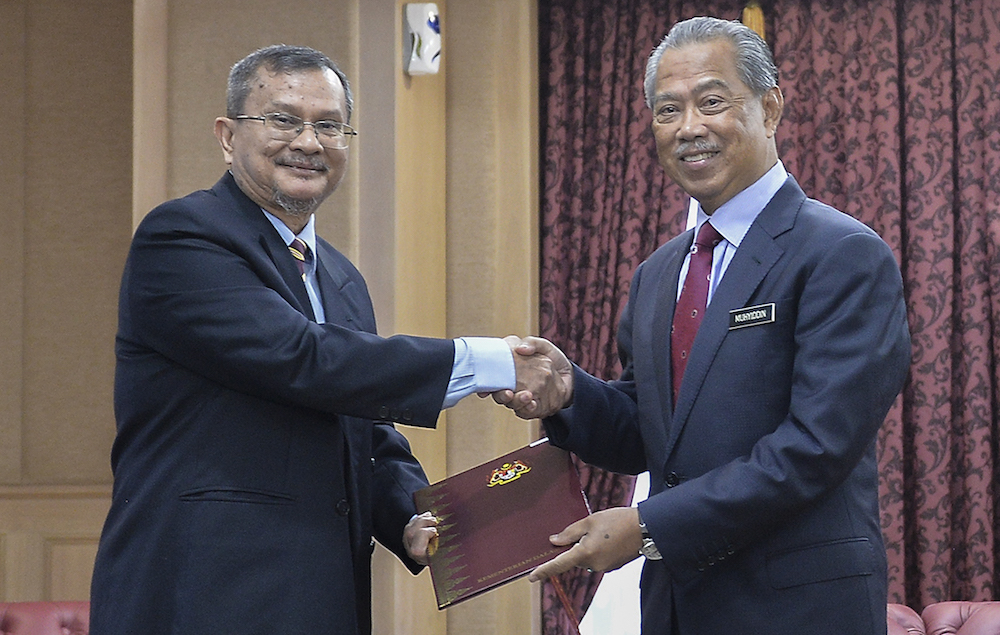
x: 751, y: 316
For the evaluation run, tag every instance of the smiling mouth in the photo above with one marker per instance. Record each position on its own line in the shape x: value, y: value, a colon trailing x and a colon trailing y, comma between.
x: 311, y: 167
x: 703, y: 156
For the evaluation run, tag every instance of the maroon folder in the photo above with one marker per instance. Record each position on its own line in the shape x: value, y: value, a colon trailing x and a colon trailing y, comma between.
x: 496, y: 519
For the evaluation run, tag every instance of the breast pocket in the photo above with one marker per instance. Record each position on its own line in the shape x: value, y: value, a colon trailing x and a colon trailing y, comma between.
x: 772, y: 321
x: 757, y: 356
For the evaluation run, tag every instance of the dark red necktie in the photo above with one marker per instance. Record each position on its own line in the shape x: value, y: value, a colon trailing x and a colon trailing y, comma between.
x: 691, y: 305
x: 300, y: 251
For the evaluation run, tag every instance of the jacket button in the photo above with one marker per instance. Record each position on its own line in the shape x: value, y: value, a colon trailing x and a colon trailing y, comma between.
x: 343, y: 507
x: 672, y: 480
x: 383, y: 413
x: 407, y: 415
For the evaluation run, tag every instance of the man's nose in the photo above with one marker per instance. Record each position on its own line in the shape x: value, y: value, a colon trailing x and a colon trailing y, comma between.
x: 692, y: 124
x: 307, y: 140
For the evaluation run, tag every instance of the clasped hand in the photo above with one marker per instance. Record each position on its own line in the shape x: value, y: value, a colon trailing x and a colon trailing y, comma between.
x: 544, y: 378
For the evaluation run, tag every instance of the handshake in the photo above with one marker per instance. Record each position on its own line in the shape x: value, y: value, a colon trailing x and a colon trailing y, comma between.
x: 543, y: 386
x: 544, y: 378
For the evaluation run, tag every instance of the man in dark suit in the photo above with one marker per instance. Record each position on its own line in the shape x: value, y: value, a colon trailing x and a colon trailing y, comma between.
x: 256, y: 461
x: 759, y: 437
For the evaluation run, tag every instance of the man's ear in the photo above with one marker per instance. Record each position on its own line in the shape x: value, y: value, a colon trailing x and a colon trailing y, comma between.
x: 224, y: 130
x: 773, y: 103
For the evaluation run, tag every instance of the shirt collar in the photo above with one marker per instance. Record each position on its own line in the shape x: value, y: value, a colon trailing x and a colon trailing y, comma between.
x: 307, y: 235
x: 734, y: 218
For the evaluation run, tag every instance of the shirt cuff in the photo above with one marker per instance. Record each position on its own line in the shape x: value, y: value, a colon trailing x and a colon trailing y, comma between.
x: 482, y: 364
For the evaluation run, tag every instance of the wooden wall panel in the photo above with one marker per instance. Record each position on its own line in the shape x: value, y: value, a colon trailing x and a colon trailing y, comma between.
x: 77, y: 223
x: 48, y: 540
x: 68, y: 564
x: 12, y: 77
x: 492, y: 158
x: 66, y: 211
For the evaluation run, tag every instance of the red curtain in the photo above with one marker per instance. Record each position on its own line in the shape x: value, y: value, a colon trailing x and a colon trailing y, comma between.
x: 891, y: 116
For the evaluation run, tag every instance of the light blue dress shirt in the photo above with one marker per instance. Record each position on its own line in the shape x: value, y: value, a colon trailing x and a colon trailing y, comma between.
x: 733, y: 220
x: 308, y: 236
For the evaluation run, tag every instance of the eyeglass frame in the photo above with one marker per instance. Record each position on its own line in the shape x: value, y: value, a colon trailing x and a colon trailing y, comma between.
x: 346, y: 130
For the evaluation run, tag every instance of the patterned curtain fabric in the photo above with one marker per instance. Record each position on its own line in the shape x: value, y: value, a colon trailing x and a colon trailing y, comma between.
x: 891, y: 115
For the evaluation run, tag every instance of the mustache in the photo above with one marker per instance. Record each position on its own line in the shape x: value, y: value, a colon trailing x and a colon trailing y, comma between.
x: 309, y: 163
x: 694, y: 147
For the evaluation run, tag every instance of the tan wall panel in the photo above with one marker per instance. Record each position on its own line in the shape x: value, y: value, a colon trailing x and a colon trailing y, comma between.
x: 492, y: 199
x: 77, y: 219
x: 48, y: 540
x: 374, y: 154
x: 66, y: 69
x: 24, y: 567
x: 12, y: 77
x: 492, y: 239
x: 69, y: 562
x: 421, y: 231
x: 417, y: 268
x: 150, y: 72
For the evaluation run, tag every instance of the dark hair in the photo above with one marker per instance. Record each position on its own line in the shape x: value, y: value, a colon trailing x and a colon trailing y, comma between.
x: 278, y: 58
x: 754, y: 61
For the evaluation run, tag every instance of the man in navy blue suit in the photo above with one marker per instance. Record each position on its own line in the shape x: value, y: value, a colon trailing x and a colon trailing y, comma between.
x: 760, y: 437
x: 255, y: 462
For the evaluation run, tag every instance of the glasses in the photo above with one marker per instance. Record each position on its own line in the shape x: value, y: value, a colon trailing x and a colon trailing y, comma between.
x: 332, y: 135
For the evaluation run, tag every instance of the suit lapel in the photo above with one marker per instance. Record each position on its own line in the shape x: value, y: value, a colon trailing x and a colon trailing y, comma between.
x: 663, y: 317
x: 757, y: 254
x: 335, y: 286
x: 270, y: 241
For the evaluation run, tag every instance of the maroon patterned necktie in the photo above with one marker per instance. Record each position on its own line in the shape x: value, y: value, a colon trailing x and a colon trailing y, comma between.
x: 691, y: 305
x: 300, y: 251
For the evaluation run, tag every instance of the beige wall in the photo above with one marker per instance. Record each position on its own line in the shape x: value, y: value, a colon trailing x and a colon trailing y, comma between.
x: 439, y: 211
x: 492, y: 200
x: 66, y: 215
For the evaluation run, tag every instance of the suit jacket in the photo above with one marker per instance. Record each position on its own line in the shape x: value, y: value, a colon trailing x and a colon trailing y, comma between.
x: 255, y: 456
x: 763, y: 496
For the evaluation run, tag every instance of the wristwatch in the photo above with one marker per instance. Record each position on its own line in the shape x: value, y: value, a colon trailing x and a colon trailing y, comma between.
x: 648, y: 547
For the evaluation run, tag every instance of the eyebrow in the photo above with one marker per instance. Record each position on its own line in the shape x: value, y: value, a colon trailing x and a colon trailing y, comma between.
x: 279, y: 106
x: 701, y: 87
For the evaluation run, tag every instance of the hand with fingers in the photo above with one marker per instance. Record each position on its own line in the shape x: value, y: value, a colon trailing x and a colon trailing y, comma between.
x: 544, y: 379
x: 603, y: 541
x: 420, y: 536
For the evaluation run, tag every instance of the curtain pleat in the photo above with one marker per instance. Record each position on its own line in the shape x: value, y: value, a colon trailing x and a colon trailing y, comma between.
x: 891, y: 116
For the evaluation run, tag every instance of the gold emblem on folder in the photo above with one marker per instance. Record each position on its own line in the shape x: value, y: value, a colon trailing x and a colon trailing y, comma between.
x: 508, y: 472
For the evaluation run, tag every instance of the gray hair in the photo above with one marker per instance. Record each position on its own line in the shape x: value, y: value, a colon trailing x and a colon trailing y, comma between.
x: 754, y: 61
x: 278, y: 58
